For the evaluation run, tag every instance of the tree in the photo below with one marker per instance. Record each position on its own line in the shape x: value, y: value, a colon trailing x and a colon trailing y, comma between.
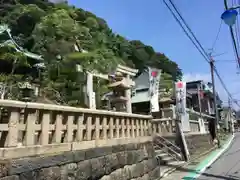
x: 54, y: 30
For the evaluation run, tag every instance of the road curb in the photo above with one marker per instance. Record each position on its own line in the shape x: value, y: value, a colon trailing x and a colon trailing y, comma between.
x: 208, y: 161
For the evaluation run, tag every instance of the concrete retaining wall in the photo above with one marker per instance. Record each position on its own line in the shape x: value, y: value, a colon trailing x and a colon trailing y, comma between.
x: 123, y: 162
x: 197, y: 143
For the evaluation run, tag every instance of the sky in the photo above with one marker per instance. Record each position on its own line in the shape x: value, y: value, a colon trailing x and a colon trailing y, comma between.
x: 151, y: 22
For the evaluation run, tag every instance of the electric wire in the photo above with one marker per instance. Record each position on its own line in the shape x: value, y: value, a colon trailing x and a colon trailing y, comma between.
x: 204, y: 53
x: 235, y: 46
x: 179, y: 22
x: 187, y: 26
x: 237, y: 28
x: 237, y: 31
x: 217, y: 36
x: 181, y: 17
x: 233, y: 38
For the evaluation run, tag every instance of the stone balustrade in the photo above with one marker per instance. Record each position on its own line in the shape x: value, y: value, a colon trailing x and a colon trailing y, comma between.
x: 29, y: 129
x: 168, y: 112
x: 166, y: 125
x: 199, y: 121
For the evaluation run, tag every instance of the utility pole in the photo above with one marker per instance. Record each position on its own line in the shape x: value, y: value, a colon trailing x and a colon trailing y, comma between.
x: 215, y: 97
x: 229, y: 100
x: 230, y: 115
x: 199, y: 87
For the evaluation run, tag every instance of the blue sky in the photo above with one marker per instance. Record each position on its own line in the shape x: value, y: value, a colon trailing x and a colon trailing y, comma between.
x: 151, y: 22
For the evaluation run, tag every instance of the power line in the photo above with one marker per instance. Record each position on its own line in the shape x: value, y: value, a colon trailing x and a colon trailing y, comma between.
x: 201, y: 49
x: 179, y: 22
x: 217, y: 37
x: 237, y: 33
x: 189, y: 29
x: 233, y: 39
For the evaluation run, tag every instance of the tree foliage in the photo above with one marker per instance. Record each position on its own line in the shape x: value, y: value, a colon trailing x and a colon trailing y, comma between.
x: 54, y: 31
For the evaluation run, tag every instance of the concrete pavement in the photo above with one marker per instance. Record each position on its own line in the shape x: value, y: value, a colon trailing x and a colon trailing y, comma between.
x: 227, y: 167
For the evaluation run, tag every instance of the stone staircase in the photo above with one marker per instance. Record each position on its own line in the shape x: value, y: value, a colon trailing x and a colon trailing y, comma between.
x: 168, y: 155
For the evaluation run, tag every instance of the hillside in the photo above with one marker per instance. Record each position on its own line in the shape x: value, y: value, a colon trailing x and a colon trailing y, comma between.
x: 53, y: 30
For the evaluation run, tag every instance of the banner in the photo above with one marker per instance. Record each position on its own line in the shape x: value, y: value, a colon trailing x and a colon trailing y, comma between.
x: 181, y: 97
x: 154, y: 79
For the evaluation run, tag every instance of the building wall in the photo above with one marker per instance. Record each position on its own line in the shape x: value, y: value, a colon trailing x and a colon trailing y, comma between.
x: 117, y: 162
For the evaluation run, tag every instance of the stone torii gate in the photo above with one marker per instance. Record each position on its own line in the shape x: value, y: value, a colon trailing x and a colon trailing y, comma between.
x: 124, y: 83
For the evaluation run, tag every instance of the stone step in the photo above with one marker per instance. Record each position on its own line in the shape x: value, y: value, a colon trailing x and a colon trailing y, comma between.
x: 162, y: 153
x: 176, y: 163
x: 168, y: 169
x: 165, y: 160
x: 159, y: 151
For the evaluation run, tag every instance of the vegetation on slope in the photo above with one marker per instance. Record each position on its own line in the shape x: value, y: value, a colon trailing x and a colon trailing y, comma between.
x: 55, y: 30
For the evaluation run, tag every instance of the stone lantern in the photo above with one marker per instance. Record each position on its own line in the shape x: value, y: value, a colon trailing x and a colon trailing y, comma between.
x: 26, y: 90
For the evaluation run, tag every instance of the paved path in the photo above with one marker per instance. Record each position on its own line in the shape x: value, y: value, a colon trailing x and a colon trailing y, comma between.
x: 227, y: 167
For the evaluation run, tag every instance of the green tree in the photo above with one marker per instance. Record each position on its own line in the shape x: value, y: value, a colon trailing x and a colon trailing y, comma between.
x: 55, y: 30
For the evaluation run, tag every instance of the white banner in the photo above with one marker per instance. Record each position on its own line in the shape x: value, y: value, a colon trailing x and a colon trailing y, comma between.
x: 154, y: 79
x: 181, y: 97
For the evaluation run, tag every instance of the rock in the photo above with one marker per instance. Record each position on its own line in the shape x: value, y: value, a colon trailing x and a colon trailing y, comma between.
x: 111, y: 163
x: 15, y: 177
x: 126, y: 173
x: 122, y: 159
x: 52, y: 173
x: 131, y: 157
x: 106, y: 178
x: 69, y: 171
x: 28, y: 175
x: 18, y: 166
x: 154, y: 174
x: 84, y: 170
x: 98, y: 167
x: 148, y: 166
x: 4, y: 169
x: 98, y: 152
x: 145, y: 177
x: 117, y: 175
x: 140, y: 155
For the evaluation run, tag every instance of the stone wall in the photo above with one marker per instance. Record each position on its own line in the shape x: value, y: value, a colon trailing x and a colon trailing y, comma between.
x: 122, y: 162
x: 197, y: 143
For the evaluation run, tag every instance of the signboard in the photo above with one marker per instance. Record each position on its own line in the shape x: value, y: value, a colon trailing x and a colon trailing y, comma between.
x: 181, y: 95
x: 154, y: 79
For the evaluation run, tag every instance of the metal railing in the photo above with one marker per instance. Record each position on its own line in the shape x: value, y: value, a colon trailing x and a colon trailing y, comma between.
x: 175, y: 151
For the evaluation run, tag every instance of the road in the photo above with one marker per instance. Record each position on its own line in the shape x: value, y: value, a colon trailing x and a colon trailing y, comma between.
x: 227, y: 167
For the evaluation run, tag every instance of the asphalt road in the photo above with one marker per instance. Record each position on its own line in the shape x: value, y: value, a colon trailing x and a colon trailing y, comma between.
x: 227, y: 167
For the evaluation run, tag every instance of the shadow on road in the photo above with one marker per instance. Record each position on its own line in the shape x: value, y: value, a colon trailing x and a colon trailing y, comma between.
x: 207, y: 175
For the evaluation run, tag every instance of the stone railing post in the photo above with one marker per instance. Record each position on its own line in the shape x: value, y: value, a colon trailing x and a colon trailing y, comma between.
x: 97, y: 128
x: 58, y: 129
x: 30, y: 129
x: 117, y: 128
x: 12, y: 138
x: 45, y: 128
